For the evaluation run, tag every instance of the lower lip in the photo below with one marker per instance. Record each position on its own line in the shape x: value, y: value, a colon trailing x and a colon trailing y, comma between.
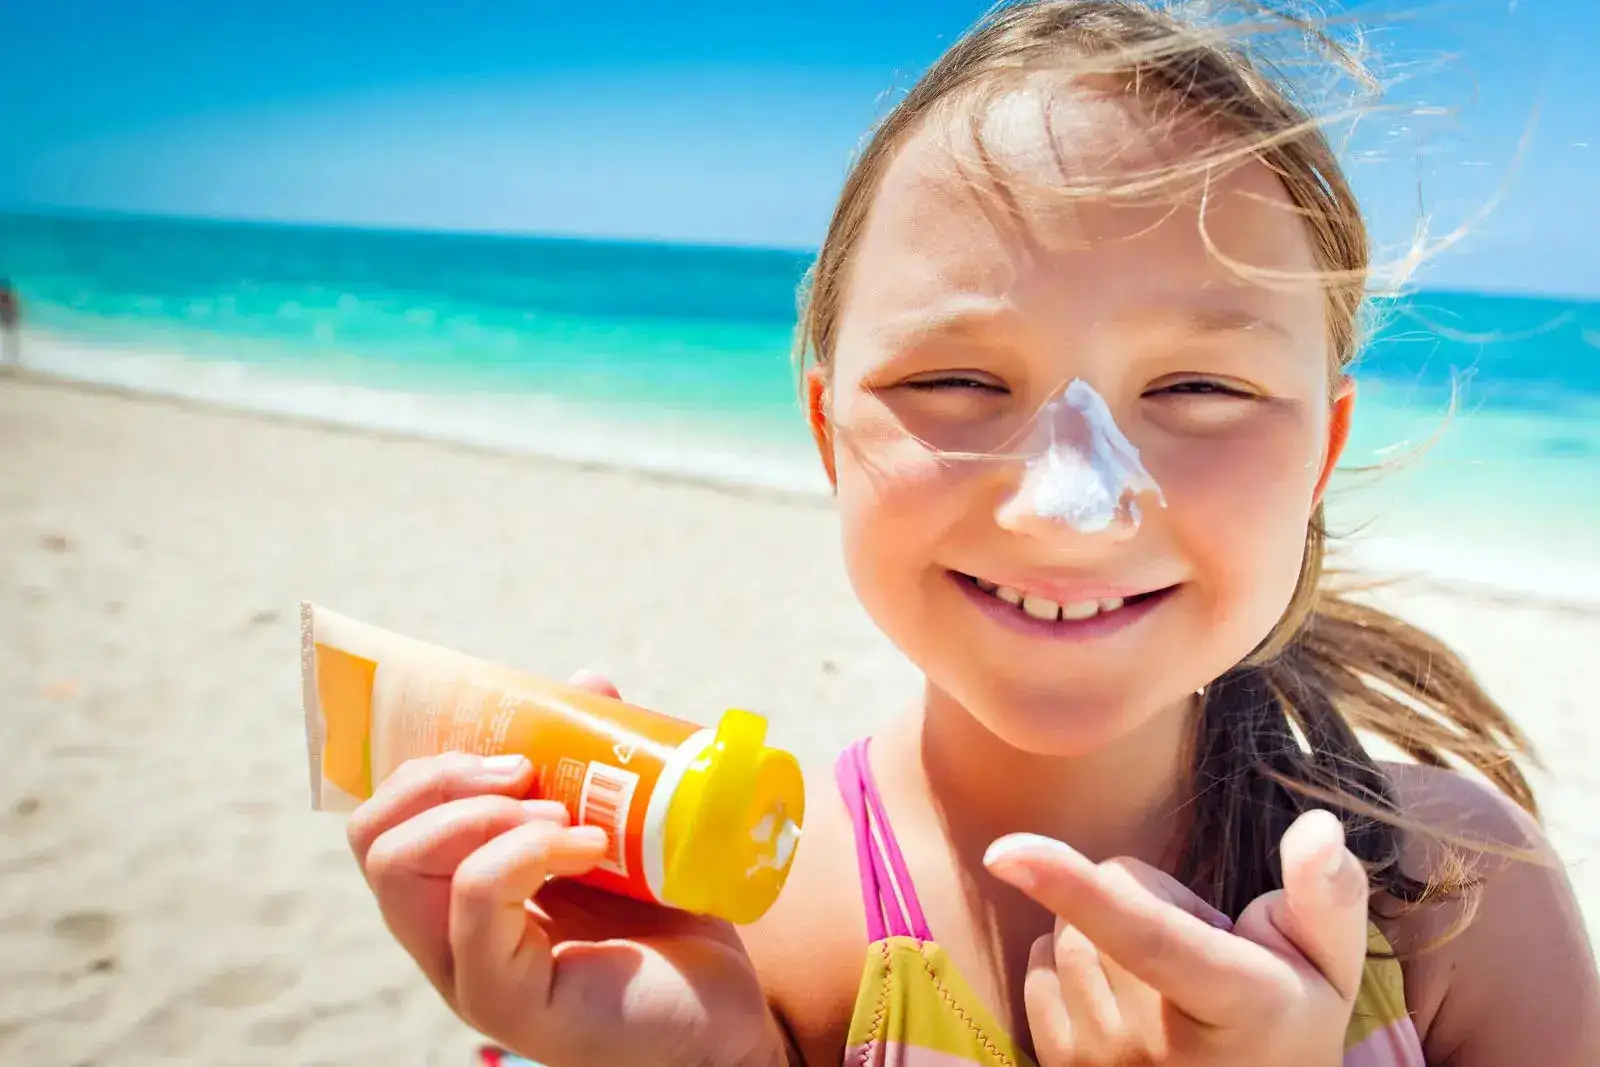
x: 1104, y: 624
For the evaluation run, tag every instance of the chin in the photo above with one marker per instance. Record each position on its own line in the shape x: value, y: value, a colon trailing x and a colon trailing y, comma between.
x: 1057, y: 724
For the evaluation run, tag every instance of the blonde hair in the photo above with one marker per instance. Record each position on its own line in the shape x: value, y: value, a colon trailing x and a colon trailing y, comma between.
x: 1332, y: 666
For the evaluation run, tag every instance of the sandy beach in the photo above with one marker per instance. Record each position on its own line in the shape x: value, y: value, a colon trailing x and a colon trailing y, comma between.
x: 165, y: 892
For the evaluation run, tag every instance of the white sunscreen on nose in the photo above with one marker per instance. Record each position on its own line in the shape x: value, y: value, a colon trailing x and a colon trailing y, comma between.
x: 1090, y: 470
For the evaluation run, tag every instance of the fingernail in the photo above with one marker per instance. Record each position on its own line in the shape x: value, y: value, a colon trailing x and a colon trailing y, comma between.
x: 553, y: 810
x: 591, y: 836
x: 508, y: 765
x: 1012, y: 846
x: 1221, y: 922
x: 1345, y: 890
x: 1333, y: 865
x: 1014, y: 873
x: 1007, y: 858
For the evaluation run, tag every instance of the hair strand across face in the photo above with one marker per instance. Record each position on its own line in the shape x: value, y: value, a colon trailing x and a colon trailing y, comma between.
x: 1280, y: 732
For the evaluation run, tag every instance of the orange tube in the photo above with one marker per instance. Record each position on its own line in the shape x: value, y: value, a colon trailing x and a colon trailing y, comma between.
x: 700, y: 819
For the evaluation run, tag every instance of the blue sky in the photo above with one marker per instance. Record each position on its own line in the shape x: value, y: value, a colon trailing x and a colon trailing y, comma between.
x: 698, y: 121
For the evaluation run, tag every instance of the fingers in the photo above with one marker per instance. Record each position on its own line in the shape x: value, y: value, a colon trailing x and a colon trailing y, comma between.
x: 1139, y: 1003
x: 595, y: 683
x: 1140, y: 1009
x: 434, y: 843
x: 1085, y: 991
x: 1203, y: 971
x: 1159, y: 883
x: 417, y: 785
x: 1083, y: 1008
x: 410, y: 867
x: 1048, y: 1020
x: 504, y: 954
x: 1325, y: 900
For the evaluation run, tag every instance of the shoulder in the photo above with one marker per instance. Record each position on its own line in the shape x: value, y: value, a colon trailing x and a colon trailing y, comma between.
x: 808, y: 949
x: 1504, y: 973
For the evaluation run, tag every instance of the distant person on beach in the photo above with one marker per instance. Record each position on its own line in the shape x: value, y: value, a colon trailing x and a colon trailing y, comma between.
x: 10, y: 325
x: 1078, y: 345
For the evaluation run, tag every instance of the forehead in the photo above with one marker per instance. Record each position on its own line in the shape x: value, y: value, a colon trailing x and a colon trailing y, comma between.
x: 1045, y: 199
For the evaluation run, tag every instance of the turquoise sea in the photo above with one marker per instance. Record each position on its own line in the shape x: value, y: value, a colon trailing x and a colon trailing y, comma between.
x: 677, y: 358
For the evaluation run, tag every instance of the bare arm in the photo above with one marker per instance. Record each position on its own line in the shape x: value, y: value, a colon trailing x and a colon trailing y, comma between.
x: 808, y: 950
x: 1519, y: 983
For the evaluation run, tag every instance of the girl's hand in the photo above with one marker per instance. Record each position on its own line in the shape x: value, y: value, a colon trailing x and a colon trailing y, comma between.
x: 454, y: 855
x: 1141, y: 971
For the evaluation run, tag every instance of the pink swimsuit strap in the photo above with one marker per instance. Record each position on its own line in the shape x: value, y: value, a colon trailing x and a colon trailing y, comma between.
x: 886, y: 890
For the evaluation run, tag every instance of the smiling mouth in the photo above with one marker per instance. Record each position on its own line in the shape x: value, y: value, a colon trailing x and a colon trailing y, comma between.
x: 1046, y: 610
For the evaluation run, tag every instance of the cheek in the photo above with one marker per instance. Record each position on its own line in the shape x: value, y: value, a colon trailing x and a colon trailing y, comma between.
x: 1239, y: 507
x: 891, y: 531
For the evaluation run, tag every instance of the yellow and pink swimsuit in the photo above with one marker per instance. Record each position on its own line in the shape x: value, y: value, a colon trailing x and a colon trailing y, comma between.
x: 914, y: 1010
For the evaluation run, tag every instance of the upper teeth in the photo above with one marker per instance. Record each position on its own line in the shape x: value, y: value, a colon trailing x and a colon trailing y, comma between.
x: 1041, y: 608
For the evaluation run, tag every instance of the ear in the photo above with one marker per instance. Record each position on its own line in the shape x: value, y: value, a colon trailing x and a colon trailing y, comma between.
x: 817, y: 416
x: 1339, y: 415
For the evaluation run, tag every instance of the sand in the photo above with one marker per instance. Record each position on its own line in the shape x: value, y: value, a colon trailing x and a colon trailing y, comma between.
x: 165, y: 891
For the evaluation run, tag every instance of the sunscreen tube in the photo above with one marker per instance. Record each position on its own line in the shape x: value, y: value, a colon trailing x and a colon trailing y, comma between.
x: 706, y: 820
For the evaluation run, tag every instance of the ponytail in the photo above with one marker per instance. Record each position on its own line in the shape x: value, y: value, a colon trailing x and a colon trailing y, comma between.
x: 1279, y: 735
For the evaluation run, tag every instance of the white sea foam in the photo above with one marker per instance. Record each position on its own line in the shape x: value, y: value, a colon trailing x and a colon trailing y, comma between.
x: 522, y: 423
x: 1491, y: 571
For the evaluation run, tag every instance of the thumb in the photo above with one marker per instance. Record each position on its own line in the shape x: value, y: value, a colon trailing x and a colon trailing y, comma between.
x: 1322, y: 911
x: 594, y: 683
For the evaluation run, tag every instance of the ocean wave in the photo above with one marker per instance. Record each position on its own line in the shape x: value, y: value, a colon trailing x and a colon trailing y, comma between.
x: 521, y: 423
x: 1503, y: 573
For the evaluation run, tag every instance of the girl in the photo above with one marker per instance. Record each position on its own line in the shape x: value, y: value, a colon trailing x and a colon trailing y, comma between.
x: 1080, y: 330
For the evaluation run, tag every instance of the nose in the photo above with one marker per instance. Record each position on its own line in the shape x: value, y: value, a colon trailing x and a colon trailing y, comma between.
x: 1061, y: 496
x: 1086, y: 481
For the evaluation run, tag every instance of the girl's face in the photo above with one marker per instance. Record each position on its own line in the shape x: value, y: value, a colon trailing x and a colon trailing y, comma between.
x: 971, y: 303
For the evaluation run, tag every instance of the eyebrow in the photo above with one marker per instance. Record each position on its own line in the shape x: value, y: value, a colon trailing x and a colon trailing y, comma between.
x: 979, y: 318
x: 1230, y: 320
x: 972, y: 318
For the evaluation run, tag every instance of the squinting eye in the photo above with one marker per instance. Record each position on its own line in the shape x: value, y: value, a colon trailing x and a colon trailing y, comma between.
x: 954, y: 382
x: 1202, y: 387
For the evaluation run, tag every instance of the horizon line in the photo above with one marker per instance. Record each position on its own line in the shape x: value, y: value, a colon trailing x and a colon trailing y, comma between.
x: 116, y: 214
x: 653, y: 240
